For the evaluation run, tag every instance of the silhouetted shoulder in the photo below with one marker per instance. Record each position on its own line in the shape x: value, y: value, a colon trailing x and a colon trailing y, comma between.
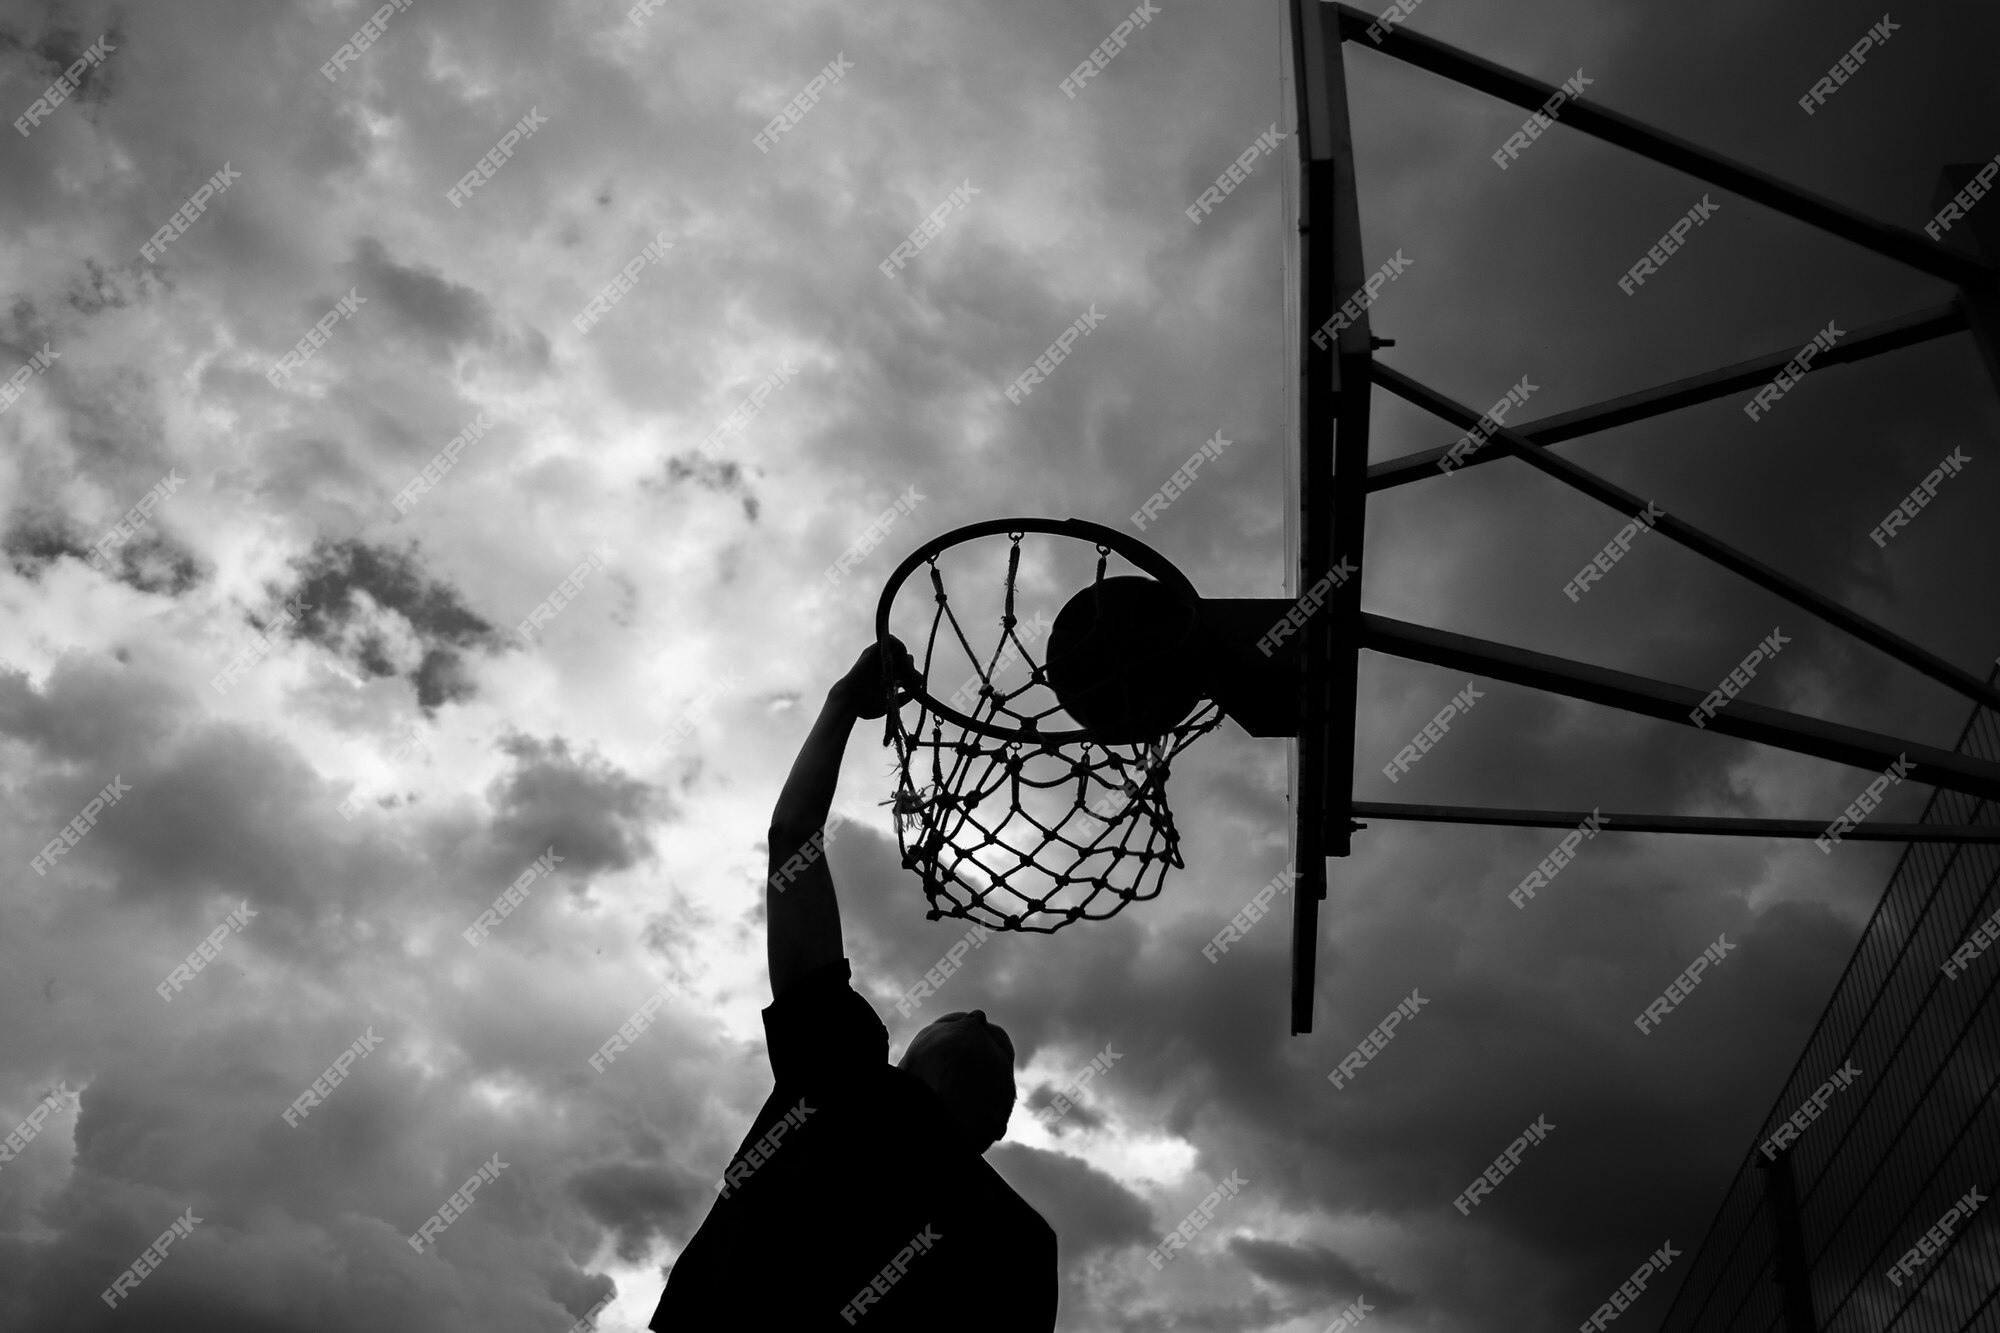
x: 822, y: 1029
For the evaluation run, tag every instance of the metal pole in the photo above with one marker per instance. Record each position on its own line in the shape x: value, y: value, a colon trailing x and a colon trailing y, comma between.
x: 1979, y: 300
x: 1898, y: 243
x: 1794, y: 1279
x: 1678, y: 530
x: 1673, y: 703
x: 1888, y: 336
x: 1711, y: 825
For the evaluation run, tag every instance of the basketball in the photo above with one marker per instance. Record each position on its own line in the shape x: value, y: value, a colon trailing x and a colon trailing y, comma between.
x: 1122, y: 661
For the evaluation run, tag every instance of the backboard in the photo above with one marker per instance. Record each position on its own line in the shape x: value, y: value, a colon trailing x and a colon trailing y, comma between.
x: 1326, y: 393
x: 1291, y: 383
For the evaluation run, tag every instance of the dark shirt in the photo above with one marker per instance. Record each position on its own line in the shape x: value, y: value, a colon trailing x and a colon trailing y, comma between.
x: 872, y: 1187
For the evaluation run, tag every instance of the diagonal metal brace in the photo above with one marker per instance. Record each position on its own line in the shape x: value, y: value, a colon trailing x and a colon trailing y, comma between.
x: 1738, y: 826
x: 1891, y: 242
x: 1653, y: 698
x: 1581, y: 478
x: 1888, y: 336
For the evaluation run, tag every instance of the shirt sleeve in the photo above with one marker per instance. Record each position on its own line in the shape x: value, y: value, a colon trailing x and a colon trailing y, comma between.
x: 821, y: 1030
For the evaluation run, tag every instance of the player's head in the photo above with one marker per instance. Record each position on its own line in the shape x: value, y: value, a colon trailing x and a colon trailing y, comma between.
x: 969, y: 1063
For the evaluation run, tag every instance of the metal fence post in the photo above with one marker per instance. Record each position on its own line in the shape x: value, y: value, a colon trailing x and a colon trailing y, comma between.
x: 1781, y: 1198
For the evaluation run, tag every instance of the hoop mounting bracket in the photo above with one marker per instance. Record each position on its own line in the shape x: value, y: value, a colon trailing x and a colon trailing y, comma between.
x: 1250, y: 662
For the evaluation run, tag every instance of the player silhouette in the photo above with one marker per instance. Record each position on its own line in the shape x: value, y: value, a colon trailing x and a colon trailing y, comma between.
x: 859, y: 1198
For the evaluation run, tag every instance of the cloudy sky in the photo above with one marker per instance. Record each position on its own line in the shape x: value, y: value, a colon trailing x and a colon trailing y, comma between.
x: 393, y: 755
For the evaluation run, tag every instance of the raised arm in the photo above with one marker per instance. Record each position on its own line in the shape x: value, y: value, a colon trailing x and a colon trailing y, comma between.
x: 802, y: 916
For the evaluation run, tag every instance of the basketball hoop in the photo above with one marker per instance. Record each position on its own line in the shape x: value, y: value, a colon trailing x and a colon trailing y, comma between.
x: 1011, y: 823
